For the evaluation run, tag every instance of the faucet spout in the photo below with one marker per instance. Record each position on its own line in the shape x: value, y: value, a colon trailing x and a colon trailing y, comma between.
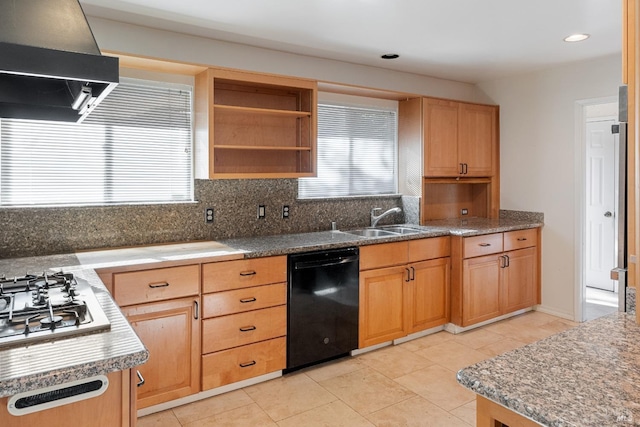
x: 375, y: 218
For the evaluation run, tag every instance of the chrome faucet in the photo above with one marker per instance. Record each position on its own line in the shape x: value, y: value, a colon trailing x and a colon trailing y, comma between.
x: 375, y: 219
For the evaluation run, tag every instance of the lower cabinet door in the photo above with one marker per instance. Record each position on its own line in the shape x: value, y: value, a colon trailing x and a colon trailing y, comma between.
x: 429, y: 294
x: 481, y: 289
x: 241, y: 363
x: 170, y: 330
x: 520, y: 279
x: 382, y: 305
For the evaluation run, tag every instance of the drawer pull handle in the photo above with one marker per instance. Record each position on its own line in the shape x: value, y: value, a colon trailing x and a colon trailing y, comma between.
x: 246, y: 300
x: 248, y: 273
x: 196, y: 310
x: 141, y: 378
x: 247, y: 328
x: 521, y: 239
x: 158, y: 285
x: 247, y: 364
x: 484, y: 245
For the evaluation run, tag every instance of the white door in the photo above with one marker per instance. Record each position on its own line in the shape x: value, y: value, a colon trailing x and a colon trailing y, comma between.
x: 601, y: 204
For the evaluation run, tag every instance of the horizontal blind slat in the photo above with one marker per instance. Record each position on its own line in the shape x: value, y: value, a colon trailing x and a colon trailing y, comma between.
x: 135, y: 147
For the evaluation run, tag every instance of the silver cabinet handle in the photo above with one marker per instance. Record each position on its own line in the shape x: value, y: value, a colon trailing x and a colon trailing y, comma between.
x: 196, y: 310
x: 507, y: 260
x: 158, y: 285
x: 521, y: 239
x: 408, y: 279
x: 484, y: 245
x: 247, y: 328
x: 247, y: 364
x: 140, y: 377
x: 413, y: 273
x: 248, y: 273
x: 246, y: 300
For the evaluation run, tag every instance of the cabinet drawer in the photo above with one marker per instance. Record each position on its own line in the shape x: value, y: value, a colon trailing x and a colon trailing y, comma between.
x: 241, y: 363
x: 225, y: 332
x: 383, y: 255
x: 435, y: 247
x: 155, y: 285
x: 482, y: 245
x: 221, y: 276
x: 520, y: 239
x: 239, y: 300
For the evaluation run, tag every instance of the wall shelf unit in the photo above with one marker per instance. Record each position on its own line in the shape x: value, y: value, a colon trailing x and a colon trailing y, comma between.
x: 251, y: 125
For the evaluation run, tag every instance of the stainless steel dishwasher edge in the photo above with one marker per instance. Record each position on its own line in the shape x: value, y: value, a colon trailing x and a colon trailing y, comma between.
x: 322, y: 310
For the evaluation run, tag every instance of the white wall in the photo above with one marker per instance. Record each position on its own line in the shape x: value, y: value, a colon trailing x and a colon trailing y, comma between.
x: 126, y: 38
x: 539, y: 159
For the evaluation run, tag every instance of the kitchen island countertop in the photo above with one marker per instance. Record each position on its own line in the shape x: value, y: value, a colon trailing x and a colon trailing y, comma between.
x: 586, y: 376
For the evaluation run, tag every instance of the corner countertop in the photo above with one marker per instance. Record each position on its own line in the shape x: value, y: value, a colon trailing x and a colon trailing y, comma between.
x: 40, y: 365
x: 63, y: 360
x: 586, y: 376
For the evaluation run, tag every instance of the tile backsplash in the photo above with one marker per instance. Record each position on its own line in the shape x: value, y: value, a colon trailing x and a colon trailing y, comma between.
x: 44, y: 231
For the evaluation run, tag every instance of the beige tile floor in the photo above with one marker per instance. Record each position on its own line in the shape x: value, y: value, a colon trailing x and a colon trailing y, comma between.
x: 411, y: 384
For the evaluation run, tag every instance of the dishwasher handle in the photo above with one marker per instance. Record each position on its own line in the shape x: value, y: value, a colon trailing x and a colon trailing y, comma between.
x: 301, y: 265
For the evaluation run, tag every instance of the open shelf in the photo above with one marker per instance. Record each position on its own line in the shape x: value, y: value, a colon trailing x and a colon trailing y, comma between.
x: 253, y: 125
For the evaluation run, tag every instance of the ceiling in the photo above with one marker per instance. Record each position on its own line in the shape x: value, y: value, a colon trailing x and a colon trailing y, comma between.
x: 463, y: 40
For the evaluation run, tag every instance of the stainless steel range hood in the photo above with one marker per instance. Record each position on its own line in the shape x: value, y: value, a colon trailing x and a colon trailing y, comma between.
x: 50, y: 65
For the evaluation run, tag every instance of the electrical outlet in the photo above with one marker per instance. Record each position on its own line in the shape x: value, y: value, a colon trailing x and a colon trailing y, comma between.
x: 208, y: 215
x: 285, y: 211
x: 464, y: 211
x: 261, y: 211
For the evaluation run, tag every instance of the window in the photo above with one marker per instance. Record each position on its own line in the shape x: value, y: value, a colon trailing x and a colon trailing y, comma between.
x: 356, y: 152
x: 134, y: 148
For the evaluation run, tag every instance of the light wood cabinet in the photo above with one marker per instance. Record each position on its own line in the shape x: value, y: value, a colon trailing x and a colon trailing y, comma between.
x: 251, y: 125
x: 244, y: 323
x: 459, y: 139
x: 163, y: 306
x: 449, y: 151
x: 112, y: 408
x: 494, y: 274
x: 410, y: 296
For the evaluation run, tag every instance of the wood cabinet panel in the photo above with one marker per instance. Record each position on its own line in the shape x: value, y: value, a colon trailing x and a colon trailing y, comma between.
x: 428, y: 297
x: 434, y: 247
x: 441, y: 138
x: 383, y: 255
x: 477, y: 124
x: 221, y: 333
x: 171, y: 333
x: 241, y: 363
x: 159, y: 284
x: 520, y: 239
x: 106, y: 410
x: 222, y: 276
x: 480, y: 289
x: 482, y: 245
x: 246, y: 299
x: 382, y: 307
x: 519, y: 280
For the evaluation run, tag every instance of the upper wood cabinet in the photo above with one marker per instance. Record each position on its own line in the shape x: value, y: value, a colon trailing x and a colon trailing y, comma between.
x: 250, y: 125
x: 459, y: 139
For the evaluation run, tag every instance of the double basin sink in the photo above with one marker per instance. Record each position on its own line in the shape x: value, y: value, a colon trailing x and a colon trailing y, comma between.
x: 386, y: 231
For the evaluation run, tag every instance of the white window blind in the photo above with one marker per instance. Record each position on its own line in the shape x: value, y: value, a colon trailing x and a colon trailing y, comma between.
x: 134, y: 148
x: 356, y: 153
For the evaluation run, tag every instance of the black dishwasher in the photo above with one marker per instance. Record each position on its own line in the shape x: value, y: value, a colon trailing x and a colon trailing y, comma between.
x: 322, y: 310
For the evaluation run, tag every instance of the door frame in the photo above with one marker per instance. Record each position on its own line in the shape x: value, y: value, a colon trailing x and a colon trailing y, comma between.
x: 580, y: 167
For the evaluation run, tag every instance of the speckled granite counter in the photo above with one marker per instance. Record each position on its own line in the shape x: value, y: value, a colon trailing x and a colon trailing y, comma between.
x: 40, y: 365
x: 585, y: 376
x: 56, y: 362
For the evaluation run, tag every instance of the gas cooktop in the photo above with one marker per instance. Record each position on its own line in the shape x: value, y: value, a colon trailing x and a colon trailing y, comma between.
x: 36, y: 308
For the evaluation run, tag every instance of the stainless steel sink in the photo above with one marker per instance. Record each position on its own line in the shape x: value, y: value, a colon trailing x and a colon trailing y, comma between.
x: 371, y: 232
x: 398, y: 229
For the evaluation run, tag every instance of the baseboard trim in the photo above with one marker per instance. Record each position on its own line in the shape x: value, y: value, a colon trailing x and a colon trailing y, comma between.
x: 455, y: 329
x: 556, y: 313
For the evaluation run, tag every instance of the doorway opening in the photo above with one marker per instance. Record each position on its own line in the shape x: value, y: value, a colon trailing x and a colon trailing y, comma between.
x: 599, y: 292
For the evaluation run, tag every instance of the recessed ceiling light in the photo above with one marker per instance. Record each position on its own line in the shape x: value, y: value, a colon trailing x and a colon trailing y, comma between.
x: 390, y: 56
x: 576, y: 37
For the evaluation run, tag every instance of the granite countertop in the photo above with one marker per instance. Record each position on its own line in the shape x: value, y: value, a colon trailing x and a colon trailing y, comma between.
x: 81, y: 356
x: 40, y: 365
x: 586, y: 376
